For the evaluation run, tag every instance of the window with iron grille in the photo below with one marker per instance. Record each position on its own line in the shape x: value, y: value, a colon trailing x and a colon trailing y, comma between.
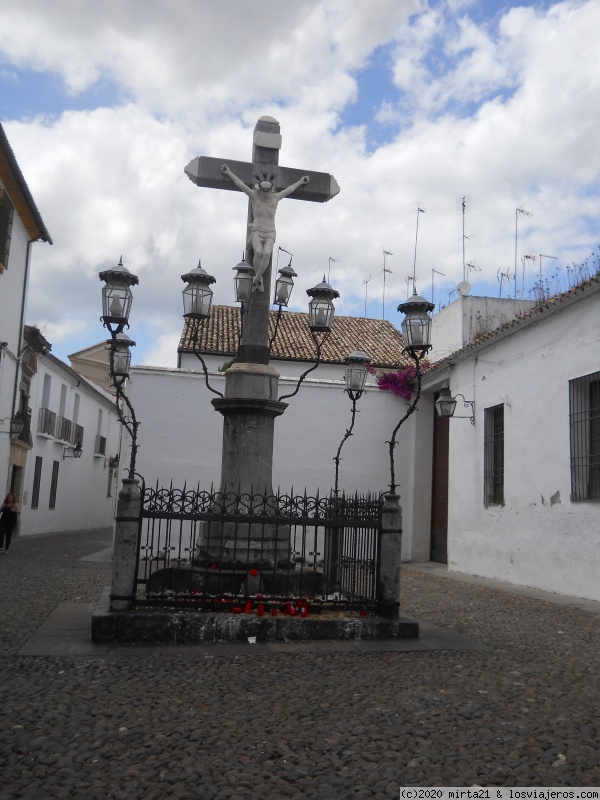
x: 493, y: 461
x: 584, y: 421
x: 37, y: 480
x: 6, y: 222
x: 54, y: 484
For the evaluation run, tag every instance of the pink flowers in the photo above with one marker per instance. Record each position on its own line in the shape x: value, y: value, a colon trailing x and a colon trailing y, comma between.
x: 402, y: 383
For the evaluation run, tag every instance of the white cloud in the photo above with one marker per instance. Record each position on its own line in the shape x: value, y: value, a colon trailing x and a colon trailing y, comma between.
x: 110, y: 181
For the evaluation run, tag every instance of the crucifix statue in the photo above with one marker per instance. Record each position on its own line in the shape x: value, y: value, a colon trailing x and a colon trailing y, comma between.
x: 250, y: 404
x: 265, y: 183
x: 261, y: 231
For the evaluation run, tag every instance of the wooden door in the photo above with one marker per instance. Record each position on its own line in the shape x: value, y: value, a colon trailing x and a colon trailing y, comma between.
x: 439, y: 490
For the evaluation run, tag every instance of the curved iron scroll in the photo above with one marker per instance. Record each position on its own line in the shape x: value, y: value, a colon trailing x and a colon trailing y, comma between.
x: 319, y: 346
x: 195, y: 350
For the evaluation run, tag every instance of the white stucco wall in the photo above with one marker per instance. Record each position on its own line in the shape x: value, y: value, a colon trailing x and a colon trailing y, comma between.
x: 11, y: 303
x: 539, y: 537
x: 180, y: 435
x: 467, y: 318
x: 86, y: 495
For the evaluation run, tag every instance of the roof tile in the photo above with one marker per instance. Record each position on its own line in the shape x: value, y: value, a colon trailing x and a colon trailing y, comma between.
x: 378, y: 338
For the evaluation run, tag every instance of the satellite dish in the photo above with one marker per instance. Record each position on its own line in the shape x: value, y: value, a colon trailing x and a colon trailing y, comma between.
x: 463, y: 288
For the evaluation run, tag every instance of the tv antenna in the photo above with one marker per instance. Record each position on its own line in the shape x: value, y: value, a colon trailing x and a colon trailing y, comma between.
x: 502, y: 277
x: 414, y: 277
x: 464, y: 205
x: 543, y: 256
x: 385, y: 270
x: 329, y: 268
x: 519, y: 212
x: 435, y: 272
x: 523, y: 260
x: 366, y: 283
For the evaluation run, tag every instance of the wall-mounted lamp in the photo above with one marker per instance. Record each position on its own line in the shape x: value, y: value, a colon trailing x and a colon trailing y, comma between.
x: 445, y: 405
x: 76, y: 451
x: 16, y: 424
x: 111, y: 461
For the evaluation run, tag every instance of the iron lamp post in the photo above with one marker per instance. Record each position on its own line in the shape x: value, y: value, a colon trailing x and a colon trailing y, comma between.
x: 320, y: 319
x: 197, y: 300
x: 116, y: 306
x: 416, y: 331
x: 355, y: 376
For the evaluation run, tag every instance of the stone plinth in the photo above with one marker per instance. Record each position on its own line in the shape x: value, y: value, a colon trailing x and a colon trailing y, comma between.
x: 249, y: 410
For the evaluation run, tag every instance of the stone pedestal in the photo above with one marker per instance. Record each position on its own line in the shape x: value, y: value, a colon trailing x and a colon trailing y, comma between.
x: 249, y: 410
x: 388, y: 591
x: 125, y: 555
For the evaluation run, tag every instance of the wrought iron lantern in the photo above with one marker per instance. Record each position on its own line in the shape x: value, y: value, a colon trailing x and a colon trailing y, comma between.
x: 72, y: 452
x: 284, y: 285
x: 416, y: 326
x: 121, y: 355
x: 321, y: 308
x: 17, y: 423
x: 445, y: 404
x: 243, y: 281
x: 117, y: 297
x: 197, y: 295
x: 355, y: 374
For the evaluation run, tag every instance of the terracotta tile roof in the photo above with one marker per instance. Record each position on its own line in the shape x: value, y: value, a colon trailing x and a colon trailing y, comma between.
x: 541, y: 311
x: 378, y: 338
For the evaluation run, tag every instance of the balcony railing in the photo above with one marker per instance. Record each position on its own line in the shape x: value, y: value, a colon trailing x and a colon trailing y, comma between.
x: 100, y: 446
x: 64, y: 429
x: 77, y: 435
x: 46, y: 421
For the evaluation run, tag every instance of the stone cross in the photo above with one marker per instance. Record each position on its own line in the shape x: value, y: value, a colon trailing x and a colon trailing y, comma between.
x: 320, y: 187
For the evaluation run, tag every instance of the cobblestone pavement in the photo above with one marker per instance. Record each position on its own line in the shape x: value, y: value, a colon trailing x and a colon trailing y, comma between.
x: 522, y: 711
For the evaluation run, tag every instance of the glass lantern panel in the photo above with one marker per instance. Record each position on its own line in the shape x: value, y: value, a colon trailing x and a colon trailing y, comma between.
x: 320, y: 313
x: 416, y: 330
x: 121, y: 362
x: 197, y: 301
x: 445, y: 408
x: 356, y: 375
x: 116, y: 301
x: 283, y: 290
x: 243, y: 287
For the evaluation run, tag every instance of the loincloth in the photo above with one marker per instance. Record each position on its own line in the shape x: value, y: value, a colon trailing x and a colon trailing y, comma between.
x: 263, y: 232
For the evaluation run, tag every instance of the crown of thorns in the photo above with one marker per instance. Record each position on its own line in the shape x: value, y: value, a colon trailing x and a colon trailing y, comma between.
x: 265, y: 177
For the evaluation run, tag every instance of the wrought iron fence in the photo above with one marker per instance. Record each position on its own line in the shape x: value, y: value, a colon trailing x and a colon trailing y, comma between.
x: 216, y: 551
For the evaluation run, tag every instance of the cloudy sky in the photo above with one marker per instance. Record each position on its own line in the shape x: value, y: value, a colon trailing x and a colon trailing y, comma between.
x: 409, y: 104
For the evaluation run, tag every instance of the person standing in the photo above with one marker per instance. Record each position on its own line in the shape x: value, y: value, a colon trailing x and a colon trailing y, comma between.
x: 9, y: 510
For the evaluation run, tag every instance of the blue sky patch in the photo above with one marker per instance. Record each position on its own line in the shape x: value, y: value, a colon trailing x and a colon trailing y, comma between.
x: 27, y: 93
x: 375, y: 88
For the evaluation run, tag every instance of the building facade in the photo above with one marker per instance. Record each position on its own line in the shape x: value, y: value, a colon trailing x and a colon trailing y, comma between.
x: 20, y: 227
x: 522, y: 496
x: 70, y: 480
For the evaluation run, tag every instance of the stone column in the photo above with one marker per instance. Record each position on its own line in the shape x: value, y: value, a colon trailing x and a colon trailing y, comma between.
x: 125, y: 555
x: 388, y: 588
